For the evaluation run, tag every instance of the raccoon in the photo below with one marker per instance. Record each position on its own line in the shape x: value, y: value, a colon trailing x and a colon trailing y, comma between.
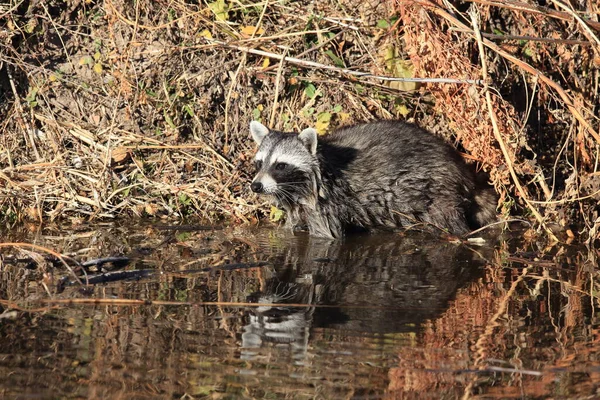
x: 376, y: 175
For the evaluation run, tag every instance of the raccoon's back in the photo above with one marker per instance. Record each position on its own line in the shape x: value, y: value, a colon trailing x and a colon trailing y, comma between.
x: 390, y: 149
x: 385, y: 140
x: 397, y: 175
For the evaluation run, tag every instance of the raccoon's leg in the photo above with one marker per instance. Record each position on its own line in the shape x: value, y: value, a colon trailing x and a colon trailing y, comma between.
x: 293, y: 220
x: 483, y: 208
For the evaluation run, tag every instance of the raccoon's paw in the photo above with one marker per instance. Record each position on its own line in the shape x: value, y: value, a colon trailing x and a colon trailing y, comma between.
x: 300, y: 228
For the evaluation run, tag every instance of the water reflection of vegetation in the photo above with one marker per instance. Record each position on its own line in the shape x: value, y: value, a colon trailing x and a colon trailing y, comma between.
x: 382, y: 316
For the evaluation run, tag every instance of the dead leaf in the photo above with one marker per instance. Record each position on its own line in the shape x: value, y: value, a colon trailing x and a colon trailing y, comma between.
x: 248, y: 31
x: 119, y: 155
x: 206, y: 34
x: 151, y: 209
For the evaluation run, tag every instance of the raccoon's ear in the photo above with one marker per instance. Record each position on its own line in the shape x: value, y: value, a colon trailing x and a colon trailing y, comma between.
x: 258, y: 131
x: 309, y: 138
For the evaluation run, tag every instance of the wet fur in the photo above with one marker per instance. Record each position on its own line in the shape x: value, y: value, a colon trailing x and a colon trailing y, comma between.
x: 385, y: 174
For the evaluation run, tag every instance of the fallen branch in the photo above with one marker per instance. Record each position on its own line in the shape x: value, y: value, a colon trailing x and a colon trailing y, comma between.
x: 545, y: 11
x: 355, y: 73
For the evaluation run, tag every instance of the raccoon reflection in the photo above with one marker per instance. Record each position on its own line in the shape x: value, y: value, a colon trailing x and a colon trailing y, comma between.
x: 384, y: 174
x: 370, y: 283
x: 278, y: 324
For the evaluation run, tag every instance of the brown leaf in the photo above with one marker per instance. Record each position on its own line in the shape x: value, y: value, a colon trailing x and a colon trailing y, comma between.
x: 119, y: 155
x: 248, y: 31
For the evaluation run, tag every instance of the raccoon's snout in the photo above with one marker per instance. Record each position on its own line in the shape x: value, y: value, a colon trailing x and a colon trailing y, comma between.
x: 257, y: 187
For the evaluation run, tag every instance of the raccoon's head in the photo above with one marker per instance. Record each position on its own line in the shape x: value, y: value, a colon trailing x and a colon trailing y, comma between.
x: 287, y: 166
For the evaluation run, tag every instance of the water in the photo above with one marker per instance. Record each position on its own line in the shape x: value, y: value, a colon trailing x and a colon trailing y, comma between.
x: 258, y: 313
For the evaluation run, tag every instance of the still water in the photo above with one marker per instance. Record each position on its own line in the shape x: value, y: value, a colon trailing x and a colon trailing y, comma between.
x: 200, y: 312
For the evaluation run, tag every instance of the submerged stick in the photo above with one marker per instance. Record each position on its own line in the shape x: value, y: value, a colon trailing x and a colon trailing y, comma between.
x: 113, y: 276
x: 59, y: 256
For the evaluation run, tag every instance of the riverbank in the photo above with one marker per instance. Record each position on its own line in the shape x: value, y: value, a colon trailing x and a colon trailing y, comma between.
x: 115, y: 109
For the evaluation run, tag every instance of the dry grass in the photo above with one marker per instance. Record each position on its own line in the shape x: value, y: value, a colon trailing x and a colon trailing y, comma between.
x: 543, y: 97
x: 113, y: 108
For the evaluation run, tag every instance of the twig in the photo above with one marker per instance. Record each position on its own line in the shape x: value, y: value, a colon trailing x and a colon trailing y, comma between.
x: 237, y: 72
x: 196, y: 15
x: 114, y: 276
x: 100, y: 261
x: 336, y: 22
x: 10, y: 10
x: 46, y: 250
x: 182, y: 147
x: 20, y: 113
x: 277, y: 83
x: 360, y: 74
x: 492, y: 324
x: 475, y: 21
x: 322, y: 44
x: 494, y: 36
x: 57, y: 33
x: 228, y: 99
x: 534, y: 71
x: 545, y: 11
x: 504, y: 221
x: 584, y: 25
x: 513, y: 370
x: 87, y: 137
x: 137, y: 302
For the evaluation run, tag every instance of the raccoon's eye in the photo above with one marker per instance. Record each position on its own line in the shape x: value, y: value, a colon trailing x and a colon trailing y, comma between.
x: 280, y: 166
x: 258, y: 164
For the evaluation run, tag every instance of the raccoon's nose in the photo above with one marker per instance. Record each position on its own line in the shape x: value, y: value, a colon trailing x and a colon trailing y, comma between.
x: 256, y: 186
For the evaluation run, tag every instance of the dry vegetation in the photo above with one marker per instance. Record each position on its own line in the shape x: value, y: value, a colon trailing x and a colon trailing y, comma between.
x: 112, y: 108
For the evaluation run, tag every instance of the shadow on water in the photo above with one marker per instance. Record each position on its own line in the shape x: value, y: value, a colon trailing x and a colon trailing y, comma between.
x: 247, y: 313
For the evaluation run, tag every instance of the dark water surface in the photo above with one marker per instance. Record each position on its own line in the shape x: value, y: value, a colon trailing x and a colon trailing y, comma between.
x: 258, y: 313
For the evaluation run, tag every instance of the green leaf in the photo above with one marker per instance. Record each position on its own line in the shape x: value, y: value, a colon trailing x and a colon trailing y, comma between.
x: 336, y: 60
x: 98, y: 68
x: 31, y: 96
x: 276, y: 214
x: 189, y: 110
x: 171, y: 14
x: 220, y: 9
x: 383, y: 24
x: 256, y: 114
x: 183, y: 236
x: 184, y: 199
x: 310, y: 91
x: 308, y: 112
x: 402, y: 110
x: 86, y: 60
x: 323, y: 120
x: 169, y: 120
x: 399, y: 68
